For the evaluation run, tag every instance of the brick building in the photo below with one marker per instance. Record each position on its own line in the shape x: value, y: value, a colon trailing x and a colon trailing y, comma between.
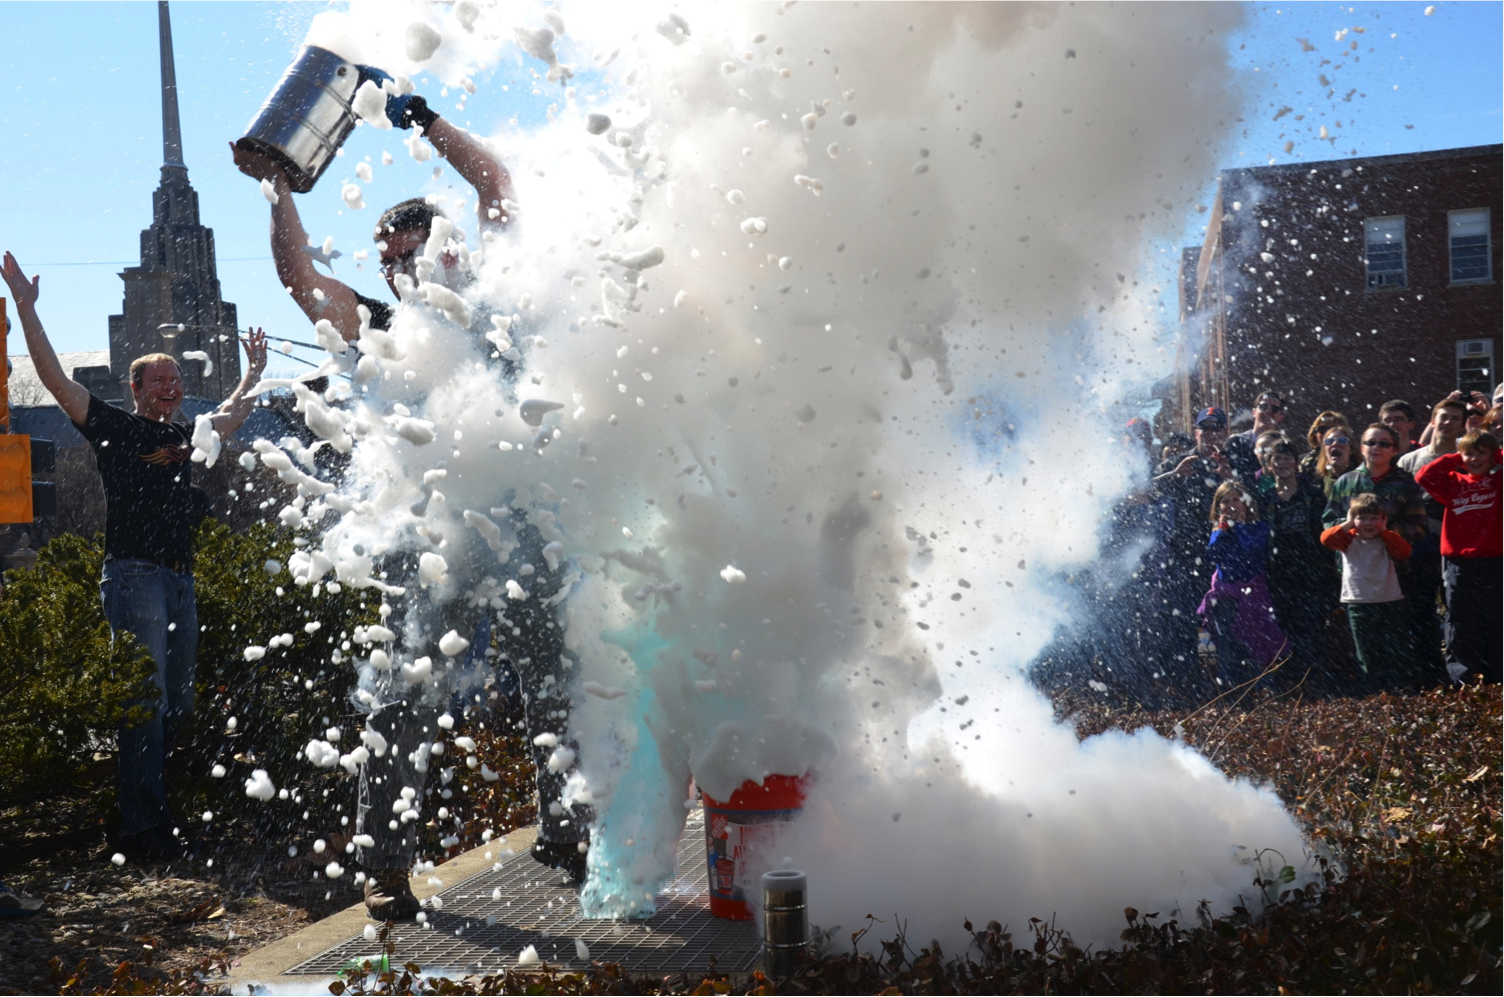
x: 1344, y: 284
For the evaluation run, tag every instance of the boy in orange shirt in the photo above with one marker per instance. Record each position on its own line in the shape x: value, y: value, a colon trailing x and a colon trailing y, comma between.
x: 1376, y: 608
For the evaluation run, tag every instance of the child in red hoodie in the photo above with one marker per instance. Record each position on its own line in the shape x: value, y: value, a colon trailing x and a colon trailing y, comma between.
x: 1467, y: 484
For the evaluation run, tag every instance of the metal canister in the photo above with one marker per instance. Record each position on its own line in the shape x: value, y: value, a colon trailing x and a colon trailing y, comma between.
x: 785, y: 921
x: 308, y: 115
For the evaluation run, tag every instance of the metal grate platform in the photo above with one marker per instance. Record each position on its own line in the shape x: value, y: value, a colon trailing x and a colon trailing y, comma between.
x: 538, y: 908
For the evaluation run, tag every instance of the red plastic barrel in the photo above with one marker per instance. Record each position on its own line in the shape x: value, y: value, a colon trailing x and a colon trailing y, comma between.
x: 740, y: 823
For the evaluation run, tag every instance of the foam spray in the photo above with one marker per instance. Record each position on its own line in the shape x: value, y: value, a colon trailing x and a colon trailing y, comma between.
x: 822, y: 314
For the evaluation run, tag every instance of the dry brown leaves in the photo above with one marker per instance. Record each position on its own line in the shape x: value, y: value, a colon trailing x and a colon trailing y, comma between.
x: 1403, y: 790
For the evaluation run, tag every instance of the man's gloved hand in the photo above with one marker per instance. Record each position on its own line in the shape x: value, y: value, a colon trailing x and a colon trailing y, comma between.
x: 410, y: 109
x: 402, y: 110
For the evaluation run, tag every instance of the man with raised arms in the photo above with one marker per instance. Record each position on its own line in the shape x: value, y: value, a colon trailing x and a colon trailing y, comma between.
x: 150, y: 514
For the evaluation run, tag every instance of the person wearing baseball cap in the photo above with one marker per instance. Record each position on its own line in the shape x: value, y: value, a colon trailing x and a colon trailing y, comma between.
x: 1211, y: 418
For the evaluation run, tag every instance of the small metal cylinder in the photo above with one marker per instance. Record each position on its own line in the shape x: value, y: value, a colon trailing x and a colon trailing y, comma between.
x: 785, y: 924
x: 308, y: 116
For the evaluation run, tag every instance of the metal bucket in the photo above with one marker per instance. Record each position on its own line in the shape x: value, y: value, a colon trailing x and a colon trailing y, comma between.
x: 785, y: 921
x: 308, y: 116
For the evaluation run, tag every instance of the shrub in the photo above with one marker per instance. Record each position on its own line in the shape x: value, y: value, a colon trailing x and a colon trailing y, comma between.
x: 66, y: 687
x: 281, y: 701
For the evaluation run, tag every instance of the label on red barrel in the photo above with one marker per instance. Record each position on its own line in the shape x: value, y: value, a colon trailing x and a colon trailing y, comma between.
x: 735, y: 842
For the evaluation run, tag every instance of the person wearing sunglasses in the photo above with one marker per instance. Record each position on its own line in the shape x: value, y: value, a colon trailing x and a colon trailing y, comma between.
x: 1268, y: 417
x: 1334, y: 457
x: 1319, y: 427
x: 1404, y: 507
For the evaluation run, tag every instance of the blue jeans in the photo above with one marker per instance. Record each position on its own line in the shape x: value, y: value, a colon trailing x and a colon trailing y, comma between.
x: 157, y: 606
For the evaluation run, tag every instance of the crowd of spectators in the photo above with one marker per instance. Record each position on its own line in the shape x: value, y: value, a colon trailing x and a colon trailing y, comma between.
x: 1347, y: 560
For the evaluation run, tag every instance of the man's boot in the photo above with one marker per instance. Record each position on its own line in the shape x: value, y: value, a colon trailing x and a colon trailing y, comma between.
x: 389, y: 896
x: 567, y: 856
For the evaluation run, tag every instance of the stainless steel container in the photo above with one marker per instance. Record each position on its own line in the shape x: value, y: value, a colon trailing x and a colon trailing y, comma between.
x: 308, y: 115
x: 785, y: 922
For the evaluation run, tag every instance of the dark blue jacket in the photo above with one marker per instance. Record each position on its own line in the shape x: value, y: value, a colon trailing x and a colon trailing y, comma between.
x: 1239, y: 550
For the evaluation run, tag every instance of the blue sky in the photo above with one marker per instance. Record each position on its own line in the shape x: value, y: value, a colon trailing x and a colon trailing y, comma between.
x: 81, y: 127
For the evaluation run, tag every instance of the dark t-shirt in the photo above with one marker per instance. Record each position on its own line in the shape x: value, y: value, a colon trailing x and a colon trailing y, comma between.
x: 150, y: 508
x: 1241, y: 456
x: 381, y: 312
x: 1296, y: 556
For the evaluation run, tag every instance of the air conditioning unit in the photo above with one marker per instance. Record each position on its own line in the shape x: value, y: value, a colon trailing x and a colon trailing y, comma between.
x: 1475, y: 366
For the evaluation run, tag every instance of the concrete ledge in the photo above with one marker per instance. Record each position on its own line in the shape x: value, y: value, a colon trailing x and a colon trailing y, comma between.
x: 268, y: 963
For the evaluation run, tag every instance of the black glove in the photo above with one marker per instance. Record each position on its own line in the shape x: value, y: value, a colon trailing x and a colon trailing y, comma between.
x: 409, y: 110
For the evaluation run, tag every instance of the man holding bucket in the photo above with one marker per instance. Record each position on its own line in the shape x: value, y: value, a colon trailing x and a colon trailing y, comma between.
x: 317, y: 93
x: 401, y: 232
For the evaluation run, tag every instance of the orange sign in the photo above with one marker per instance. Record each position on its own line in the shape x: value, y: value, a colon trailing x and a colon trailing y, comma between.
x: 15, y: 451
x: 4, y: 373
x: 15, y: 478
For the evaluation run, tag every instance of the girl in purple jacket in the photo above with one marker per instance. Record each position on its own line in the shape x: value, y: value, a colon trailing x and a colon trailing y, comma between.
x: 1237, y: 610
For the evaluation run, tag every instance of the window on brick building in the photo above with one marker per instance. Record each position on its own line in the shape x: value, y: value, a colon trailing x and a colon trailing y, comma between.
x: 1467, y: 232
x: 1384, y: 251
x: 1475, y: 366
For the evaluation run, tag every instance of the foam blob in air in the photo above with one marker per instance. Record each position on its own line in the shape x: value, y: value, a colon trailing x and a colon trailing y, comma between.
x: 259, y: 786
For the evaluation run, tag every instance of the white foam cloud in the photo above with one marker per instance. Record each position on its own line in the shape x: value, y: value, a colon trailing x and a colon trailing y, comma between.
x: 859, y: 401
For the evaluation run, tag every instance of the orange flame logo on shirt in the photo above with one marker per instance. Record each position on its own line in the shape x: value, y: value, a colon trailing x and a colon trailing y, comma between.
x: 167, y: 455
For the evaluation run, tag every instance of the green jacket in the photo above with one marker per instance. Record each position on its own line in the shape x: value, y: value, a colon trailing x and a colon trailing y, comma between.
x: 1403, y: 500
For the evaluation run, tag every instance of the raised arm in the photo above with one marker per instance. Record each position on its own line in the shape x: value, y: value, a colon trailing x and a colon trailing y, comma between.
x: 1339, y: 537
x: 466, y: 153
x: 233, y: 411
x: 72, y: 397
x: 1436, y: 477
x: 319, y: 295
x: 479, y: 166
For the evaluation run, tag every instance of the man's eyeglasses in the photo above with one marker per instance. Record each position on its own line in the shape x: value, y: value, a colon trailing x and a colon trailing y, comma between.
x: 1336, y: 441
x: 398, y: 264
x: 1380, y: 444
x: 1267, y: 407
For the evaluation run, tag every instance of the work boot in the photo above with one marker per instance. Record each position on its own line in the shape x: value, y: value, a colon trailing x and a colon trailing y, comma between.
x: 567, y: 856
x: 151, y: 844
x: 389, y: 896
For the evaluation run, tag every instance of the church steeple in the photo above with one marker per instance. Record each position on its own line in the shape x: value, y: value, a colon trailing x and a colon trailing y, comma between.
x: 177, y: 282
x: 172, y: 131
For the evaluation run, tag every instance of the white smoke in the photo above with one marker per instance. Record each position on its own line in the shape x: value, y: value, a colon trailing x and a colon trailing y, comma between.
x: 845, y: 316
